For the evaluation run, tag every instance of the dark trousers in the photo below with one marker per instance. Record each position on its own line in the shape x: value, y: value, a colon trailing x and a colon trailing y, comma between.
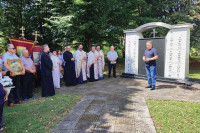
x: 110, y: 66
x: 27, y: 85
x: 92, y: 73
x: 1, y: 116
x: 15, y: 92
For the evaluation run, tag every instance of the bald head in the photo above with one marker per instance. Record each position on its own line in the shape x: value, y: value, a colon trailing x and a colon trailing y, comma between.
x: 68, y: 48
x: 112, y: 48
x: 25, y: 53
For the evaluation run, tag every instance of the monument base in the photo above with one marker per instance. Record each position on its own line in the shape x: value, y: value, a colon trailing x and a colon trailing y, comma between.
x: 160, y: 79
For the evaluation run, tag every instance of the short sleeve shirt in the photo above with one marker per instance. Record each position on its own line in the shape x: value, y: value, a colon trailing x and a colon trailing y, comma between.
x: 7, y: 56
x: 112, y: 55
x: 27, y: 62
x: 1, y: 63
x: 150, y: 54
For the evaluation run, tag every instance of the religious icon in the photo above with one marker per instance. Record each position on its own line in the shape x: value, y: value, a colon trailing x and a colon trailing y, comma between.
x: 36, y: 57
x: 16, y: 66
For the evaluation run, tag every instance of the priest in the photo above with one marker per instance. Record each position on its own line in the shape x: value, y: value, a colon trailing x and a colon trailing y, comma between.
x: 80, y: 64
x: 92, y: 71
x: 100, y: 62
x: 69, y: 69
x: 46, y: 72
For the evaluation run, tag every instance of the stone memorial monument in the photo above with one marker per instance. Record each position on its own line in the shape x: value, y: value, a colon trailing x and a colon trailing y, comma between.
x: 176, y: 50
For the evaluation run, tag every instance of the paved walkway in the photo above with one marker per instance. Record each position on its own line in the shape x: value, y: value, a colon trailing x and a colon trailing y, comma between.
x: 118, y: 105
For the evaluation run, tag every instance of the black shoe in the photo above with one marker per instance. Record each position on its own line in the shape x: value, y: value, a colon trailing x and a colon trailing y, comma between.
x: 115, y: 76
x: 148, y: 86
x: 153, y: 88
x: 108, y: 76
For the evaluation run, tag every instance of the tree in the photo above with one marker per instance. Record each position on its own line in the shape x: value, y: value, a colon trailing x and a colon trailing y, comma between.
x: 96, y: 21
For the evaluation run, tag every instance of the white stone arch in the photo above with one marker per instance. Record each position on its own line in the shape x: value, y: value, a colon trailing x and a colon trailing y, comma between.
x: 177, y: 42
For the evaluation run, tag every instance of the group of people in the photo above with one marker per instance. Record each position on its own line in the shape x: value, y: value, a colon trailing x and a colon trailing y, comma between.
x: 78, y: 68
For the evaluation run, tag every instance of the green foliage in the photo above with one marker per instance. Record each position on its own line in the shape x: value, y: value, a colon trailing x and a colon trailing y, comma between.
x: 93, y: 22
x: 195, y: 52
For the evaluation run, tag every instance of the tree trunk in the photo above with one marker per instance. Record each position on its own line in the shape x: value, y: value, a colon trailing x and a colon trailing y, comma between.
x: 88, y: 43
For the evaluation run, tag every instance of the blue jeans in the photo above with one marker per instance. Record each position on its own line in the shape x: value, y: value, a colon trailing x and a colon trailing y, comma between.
x: 151, y: 75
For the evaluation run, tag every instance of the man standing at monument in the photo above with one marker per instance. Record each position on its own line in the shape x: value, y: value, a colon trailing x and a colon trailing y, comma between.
x: 92, y: 65
x: 69, y: 69
x: 100, y: 62
x: 80, y: 64
x: 150, y: 57
x: 46, y: 72
x: 112, y: 57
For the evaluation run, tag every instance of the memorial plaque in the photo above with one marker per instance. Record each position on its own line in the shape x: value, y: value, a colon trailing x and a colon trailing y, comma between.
x: 159, y: 45
x: 173, y: 62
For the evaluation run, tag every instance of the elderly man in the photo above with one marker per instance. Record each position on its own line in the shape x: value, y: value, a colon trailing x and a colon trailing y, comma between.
x: 92, y: 65
x: 100, y: 62
x: 28, y: 78
x: 46, y: 72
x: 112, y: 57
x: 150, y: 57
x: 69, y: 69
x: 80, y: 64
x: 15, y: 92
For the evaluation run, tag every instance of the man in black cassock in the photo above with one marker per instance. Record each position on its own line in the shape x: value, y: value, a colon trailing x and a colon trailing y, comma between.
x: 46, y: 72
x: 69, y: 69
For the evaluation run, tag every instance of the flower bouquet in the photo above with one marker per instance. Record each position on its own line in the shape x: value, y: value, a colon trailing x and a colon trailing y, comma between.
x: 7, y: 83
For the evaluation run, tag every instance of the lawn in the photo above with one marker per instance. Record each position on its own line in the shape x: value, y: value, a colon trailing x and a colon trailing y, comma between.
x: 195, y: 74
x: 175, y: 116
x: 39, y: 115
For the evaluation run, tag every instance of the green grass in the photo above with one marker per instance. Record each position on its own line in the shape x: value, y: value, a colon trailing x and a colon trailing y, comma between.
x: 175, y: 116
x: 39, y: 115
x: 195, y: 74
